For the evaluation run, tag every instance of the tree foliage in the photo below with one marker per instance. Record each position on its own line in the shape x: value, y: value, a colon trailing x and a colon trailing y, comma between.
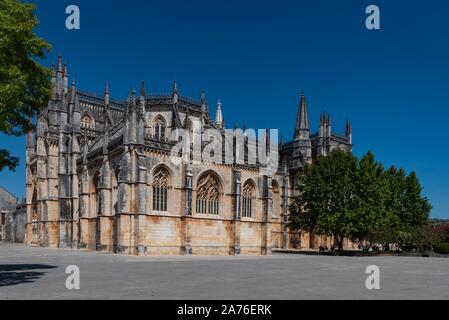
x: 25, y: 85
x: 441, y: 231
x: 327, y: 203
x: 342, y: 196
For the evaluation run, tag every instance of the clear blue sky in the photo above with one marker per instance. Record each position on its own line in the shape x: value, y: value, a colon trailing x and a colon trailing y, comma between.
x: 256, y: 56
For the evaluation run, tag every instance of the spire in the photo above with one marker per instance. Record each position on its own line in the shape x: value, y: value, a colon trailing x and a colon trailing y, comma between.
x: 65, y: 78
x: 75, y: 115
x: 106, y: 96
x: 175, y: 92
x: 219, y: 115
x: 73, y: 92
x: 53, y: 75
x: 127, y: 103
x: 328, y: 126
x: 130, y: 131
x: 203, y: 101
x: 60, y: 77
x: 76, y: 103
x: 107, y: 117
x: 322, y: 124
x: 302, y: 119
x: 142, y: 89
x: 59, y: 63
x: 348, y: 132
x: 141, y: 107
x: 203, y: 96
x: 133, y: 99
x: 348, y: 127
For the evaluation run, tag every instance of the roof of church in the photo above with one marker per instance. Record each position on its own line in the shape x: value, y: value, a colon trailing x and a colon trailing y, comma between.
x: 150, y: 99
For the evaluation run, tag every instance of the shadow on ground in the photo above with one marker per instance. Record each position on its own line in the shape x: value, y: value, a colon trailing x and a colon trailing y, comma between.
x: 13, y: 274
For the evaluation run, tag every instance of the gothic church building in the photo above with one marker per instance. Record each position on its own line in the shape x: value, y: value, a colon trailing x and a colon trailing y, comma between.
x: 99, y: 176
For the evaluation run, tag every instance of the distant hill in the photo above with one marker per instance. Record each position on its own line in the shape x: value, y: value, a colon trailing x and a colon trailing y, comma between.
x: 439, y: 221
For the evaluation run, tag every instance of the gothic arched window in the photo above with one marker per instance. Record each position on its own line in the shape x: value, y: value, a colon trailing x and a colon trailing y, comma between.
x: 159, y: 128
x: 248, y: 194
x: 208, y: 195
x: 160, y: 189
x: 87, y: 122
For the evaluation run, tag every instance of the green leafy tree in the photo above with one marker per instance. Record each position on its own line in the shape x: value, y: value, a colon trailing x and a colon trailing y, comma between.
x: 372, y: 195
x: 417, y: 237
x: 346, y: 197
x: 327, y: 200
x: 416, y: 207
x: 25, y: 85
x: 395, y: 181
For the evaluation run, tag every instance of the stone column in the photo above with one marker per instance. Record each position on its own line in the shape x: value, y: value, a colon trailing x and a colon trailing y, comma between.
x: 141, y: 199
x: 50, y: 215
x: 84, y: 237
x: 268, y: 212
x: 30, y: 154
x: 125, y: 218
x: 237, y: 187
x: 75, y: 193
x: 187, y: 216
x: 104, y: 220
x: 37, y: 229
x: 29, y: 205
x: 65, y: 190
x: 285, y: 204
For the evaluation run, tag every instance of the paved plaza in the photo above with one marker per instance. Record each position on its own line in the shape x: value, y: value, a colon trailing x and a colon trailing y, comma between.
x: 39, y: 273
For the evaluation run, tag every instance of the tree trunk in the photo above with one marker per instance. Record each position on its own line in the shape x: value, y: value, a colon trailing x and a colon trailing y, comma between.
x: 339, y: 243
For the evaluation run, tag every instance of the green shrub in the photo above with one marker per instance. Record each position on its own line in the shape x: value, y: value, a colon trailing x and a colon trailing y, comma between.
x: 442, y: 247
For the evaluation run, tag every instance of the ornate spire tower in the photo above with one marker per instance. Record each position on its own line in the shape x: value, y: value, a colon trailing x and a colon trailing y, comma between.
x: 302, y: 129
x: 218, y: 115
x: 302, y: 144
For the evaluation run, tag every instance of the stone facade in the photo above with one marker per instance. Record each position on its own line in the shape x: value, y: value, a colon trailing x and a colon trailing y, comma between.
x: 101, y: 175
x: 12, y: 218
x: 15, y: 225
